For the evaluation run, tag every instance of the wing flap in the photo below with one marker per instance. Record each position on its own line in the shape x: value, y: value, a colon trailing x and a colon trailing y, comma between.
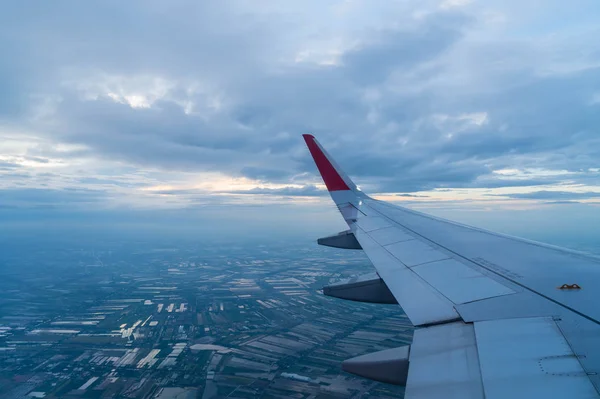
x: 509, y: 358
x: 444, y: 363
x: 529, y: 358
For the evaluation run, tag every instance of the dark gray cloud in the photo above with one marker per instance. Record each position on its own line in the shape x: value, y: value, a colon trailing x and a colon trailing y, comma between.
x: 8, y: 166
x: 108, y: 181
x: 305, y: 191
x: 560, y: 202
x: 391, y: 50
x: 489, y: 182
x: 48, y: 197
x: 553, y: 195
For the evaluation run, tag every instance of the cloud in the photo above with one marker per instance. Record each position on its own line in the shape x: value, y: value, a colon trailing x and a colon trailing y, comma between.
x: 399, y: 49
x: 446, y: 4
x: 39, y: 197
x: 554, y: 195
x: 560, y: 202
x: 9, y: 166
x: 305, y: 191
x: 491, y: 182
x: 411, y: 195
x: 288, y: 191
x: 407, y: 96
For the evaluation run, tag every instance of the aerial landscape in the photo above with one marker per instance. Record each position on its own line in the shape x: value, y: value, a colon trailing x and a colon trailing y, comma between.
x: 185, y: 320
x: 111, y: 316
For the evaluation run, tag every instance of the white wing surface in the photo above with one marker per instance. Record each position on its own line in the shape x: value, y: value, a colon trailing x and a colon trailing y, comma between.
x: 497, y: 316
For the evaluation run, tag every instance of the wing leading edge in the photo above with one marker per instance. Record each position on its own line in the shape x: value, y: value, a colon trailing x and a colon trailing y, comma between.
x: 481, y: 300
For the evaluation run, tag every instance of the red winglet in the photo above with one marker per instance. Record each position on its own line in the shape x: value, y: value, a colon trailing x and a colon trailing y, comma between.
x: 331, y: 177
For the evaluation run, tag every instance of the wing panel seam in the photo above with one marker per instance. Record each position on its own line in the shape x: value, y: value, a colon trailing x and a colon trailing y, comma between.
x: 492, y: 271
x: 434, y: 290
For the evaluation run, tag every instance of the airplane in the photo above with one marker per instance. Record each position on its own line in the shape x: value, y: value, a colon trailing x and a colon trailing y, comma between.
x: 495, y: 316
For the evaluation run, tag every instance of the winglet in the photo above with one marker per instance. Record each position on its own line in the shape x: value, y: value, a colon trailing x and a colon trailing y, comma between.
x: 334, y: 178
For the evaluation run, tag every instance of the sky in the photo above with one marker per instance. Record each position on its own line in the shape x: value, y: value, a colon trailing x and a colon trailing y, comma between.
x: 190, y: 111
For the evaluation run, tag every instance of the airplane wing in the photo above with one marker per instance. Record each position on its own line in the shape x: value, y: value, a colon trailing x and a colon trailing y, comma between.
x: 496, y: 316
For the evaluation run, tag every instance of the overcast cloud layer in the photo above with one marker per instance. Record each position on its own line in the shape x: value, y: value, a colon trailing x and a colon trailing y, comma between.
x: 186, y: 103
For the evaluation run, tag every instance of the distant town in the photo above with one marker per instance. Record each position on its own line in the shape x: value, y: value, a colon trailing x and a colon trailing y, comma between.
x: 187, y: 321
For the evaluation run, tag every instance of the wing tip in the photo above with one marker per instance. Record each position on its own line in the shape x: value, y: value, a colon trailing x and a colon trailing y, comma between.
x: 331, y: 177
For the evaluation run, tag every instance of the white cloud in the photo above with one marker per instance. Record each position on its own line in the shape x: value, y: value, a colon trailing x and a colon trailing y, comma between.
x: 529, y: 173
x: 475, y: 118
x: 448, y: 4
x: 465, y: 122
